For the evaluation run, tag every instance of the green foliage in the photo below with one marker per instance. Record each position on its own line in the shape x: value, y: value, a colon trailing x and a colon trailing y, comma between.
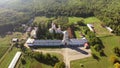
x: 60, y: 65
x: 44, y: 58
x: 43, y: 32
x: 94, y: 41
x: 114, y: 59
x: 81, y: 23
x: 117, y: 51
x: 95, y: 57
x: 106, y: 10
x: 97, y: 47
x: 117, y: 65
x: 23, y: 61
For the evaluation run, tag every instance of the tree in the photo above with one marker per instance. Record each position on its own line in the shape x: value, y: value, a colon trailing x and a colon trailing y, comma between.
x: 117, y: 51
x: 114, y: 59
x: 81, y: 23
x: 60, y: 65
x: 23, y: 61
x: 117, y: 65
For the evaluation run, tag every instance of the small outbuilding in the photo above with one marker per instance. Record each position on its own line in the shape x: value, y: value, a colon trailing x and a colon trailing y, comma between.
x: 108, y: 28
x: 15, y: 60
x: 91, y: 27
x: 30, y: 42
x: 15, y: 39
x: 29, y: 29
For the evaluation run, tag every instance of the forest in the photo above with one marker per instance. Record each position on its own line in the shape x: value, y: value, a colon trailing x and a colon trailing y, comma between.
x: 20, y: 11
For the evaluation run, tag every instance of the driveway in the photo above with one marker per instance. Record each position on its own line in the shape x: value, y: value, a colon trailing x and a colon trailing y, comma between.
x: 69, y: 53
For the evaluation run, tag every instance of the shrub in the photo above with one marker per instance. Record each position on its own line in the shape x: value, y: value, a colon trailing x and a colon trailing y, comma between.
x: 101, y: 52
x: 60, y: 65
x: 95, y: 56
x: 45, y: 58
x: 117, y: 51
x: 81, y: 23
x: 117, y: 65
x: 97, y: 47
x: 23, y: 61
x: 114, y: 59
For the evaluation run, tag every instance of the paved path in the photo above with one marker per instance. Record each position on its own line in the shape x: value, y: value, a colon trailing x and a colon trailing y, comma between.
x: 69, y: 54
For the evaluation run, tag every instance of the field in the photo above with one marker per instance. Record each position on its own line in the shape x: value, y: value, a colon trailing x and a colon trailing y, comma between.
x: 109, y: 41
x: 41, y: 19
x: 74, y: 19
x: 5, y: 42
x: 104, y: 62
x: 4, y: 45
x: 8, y: 58
x: 32, y: 63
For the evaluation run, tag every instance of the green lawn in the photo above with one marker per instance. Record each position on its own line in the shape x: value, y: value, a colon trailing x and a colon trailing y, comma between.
x: 5, y: 42
x: 91, y: 20
x: 32, y: 63
x: 60, y: 57
x: 41, y: 19
x: 8, y: 58
x: 109, y: 41
x: 74, y: 19
x: 100, y: 31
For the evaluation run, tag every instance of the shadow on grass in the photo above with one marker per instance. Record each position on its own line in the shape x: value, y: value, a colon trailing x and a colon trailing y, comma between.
x: 96, y: 57
x: 102, y: 54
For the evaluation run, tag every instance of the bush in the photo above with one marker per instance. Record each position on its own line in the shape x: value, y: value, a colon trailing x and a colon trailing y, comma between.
x: 60, y: 65
x: 97, y: 47
x: 114, y: 59
x: 45, y: 58
x: 101, y: 52
x: 23, y: 61
x: 117, y: 65
x: 117, y: 51
x: 81, y: 23
x: 95, y: 57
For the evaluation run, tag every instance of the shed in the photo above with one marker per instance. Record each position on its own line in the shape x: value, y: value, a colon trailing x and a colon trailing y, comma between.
x: 15, y: 59
x: 15, y: 40
x: 30, y: 42
x: 91, y: 27
x: 29, y: 29
x: 108, y: 28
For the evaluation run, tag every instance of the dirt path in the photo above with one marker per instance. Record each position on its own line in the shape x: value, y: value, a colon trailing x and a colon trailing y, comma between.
x: 69, y: 54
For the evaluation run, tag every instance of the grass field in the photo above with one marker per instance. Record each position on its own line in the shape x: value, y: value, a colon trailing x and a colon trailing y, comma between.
x: 109, y: 41
x: 91, y: 20
x: 32, y: 63
x: 8, y: 58
x: 5, y: 42
x: 41, y: 19
x: 74, y: 19
x: 4, y: 45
